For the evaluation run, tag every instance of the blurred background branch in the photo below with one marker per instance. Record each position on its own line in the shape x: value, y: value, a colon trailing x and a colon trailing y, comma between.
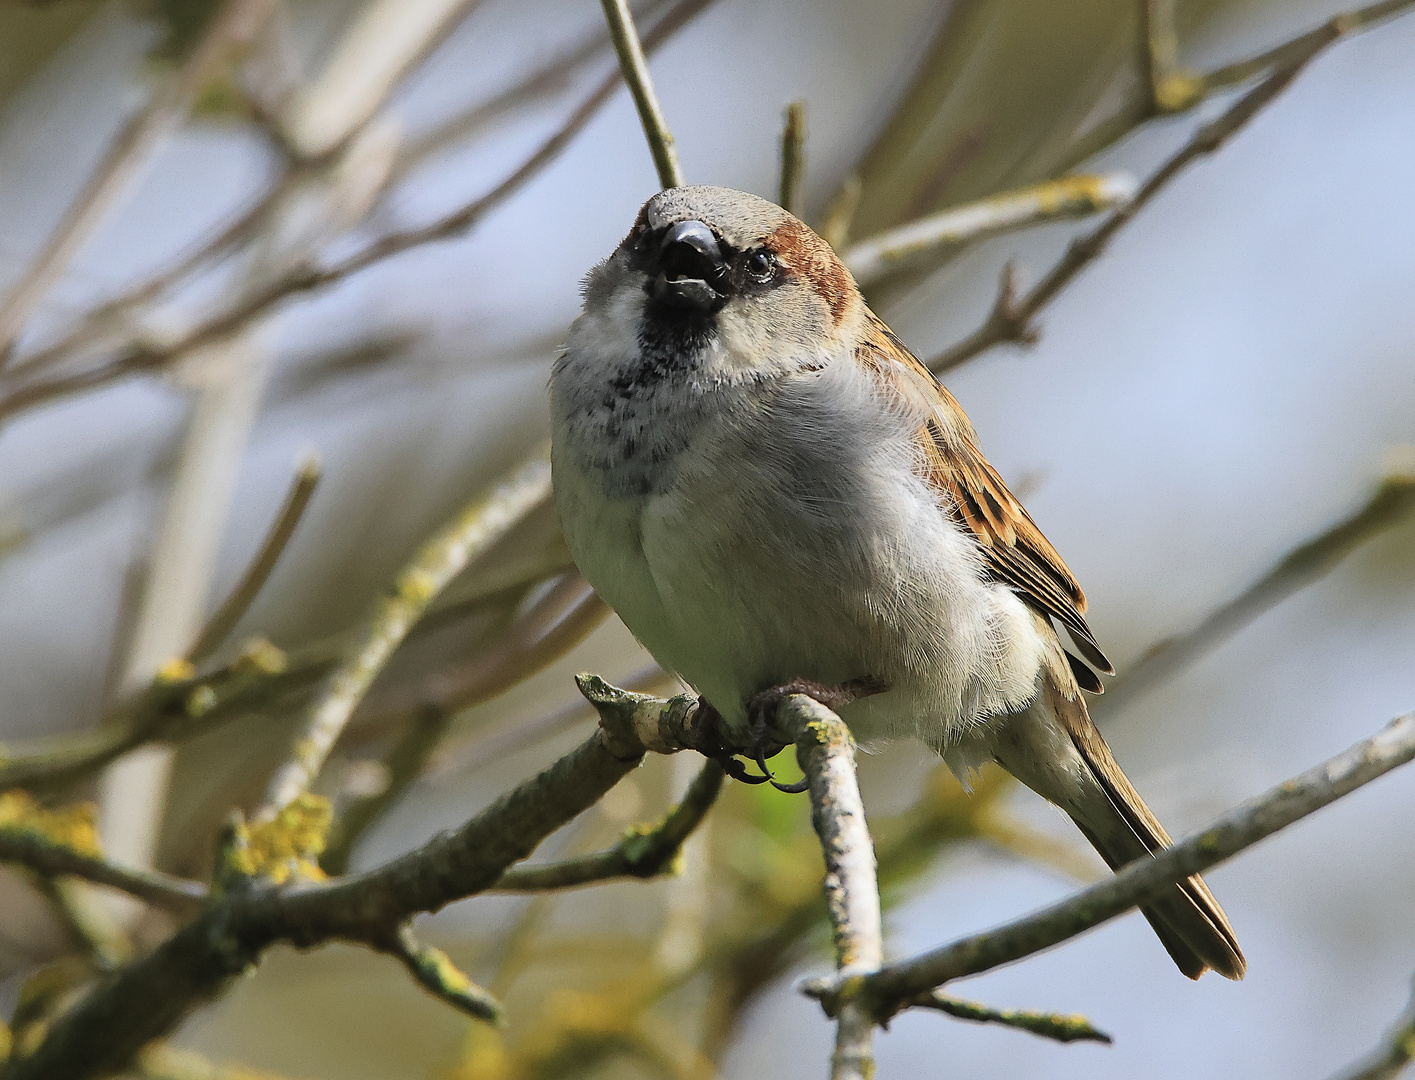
x: 933, y: 128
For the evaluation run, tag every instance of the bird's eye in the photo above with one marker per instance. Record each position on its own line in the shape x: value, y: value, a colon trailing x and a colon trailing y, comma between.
x: 760, y: 265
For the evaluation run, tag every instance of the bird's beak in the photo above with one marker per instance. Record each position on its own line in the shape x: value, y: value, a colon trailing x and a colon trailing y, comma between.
x: 690, y: 268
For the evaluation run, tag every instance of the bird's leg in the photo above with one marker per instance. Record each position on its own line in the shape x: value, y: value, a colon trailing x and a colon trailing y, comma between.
x: 761, y: 711
x: 710, y: 740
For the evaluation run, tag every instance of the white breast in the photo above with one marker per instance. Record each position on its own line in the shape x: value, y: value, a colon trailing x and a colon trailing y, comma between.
x: 786, y: 534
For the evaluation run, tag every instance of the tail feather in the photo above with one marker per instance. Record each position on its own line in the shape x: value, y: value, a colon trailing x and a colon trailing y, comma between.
x: 1055, y: 749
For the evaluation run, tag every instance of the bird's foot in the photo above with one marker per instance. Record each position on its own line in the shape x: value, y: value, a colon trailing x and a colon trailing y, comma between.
x: 710, y: 739
x: 761, y: 711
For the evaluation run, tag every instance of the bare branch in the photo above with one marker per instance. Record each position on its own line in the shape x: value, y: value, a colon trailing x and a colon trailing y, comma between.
x: 258, y: 573
x: 793, y: 158
x: 1308, y: 562
x: 1072, y: 196
x: 896, y: 984
x: 635, y: 67
x: 1017, y: 326
x: 442, y: 558
x: 1387, y: 1061
x: 112, y: 314
x: 1064, y: 1029
x: 234, y: 25
x: 642, y: 852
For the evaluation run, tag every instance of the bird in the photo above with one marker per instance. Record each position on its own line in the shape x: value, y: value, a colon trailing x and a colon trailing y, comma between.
x: 771, y: 490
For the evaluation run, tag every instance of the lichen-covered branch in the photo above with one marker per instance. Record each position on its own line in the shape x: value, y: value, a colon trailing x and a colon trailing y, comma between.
x: 635, y: 67
x: 642, y: 852
x: 434, y: 970
x: 1055, y: 1026
x: 893, y: 987
x: 246, y: 915
x: 442, y: 558
x: 1071, y: 196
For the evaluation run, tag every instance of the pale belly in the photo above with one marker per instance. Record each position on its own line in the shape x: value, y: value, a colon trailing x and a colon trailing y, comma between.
x: 762, y: 562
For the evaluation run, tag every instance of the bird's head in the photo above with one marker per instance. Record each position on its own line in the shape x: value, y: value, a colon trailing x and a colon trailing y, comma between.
x: 727, y: 276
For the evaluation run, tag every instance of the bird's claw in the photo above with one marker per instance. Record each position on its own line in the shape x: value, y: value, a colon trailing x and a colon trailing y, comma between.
x: 761, y: 711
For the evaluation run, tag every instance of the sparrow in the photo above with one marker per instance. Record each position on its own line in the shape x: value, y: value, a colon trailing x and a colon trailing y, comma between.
x: 767, y: 486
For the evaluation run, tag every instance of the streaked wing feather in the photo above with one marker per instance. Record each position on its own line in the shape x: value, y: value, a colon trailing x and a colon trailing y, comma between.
x: 1014, y: 548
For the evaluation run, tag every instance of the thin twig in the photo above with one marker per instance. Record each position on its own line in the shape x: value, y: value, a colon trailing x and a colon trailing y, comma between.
x: 793, y: 158
x: 258, y: 572
x: 233, y: 26
x: 404, y: 763
x: 1011, y: 320
x: 1061, y: 1028
x: 551, y: 77
x: 1389, y: 1059
x: 1072, y: 196
x: 485, y: 521
x: 896, y: 984
x: 93, y: 326
x: 558, y: 621
x: 635, y: 67
x: 1310, y: 561
x: 643, y: 852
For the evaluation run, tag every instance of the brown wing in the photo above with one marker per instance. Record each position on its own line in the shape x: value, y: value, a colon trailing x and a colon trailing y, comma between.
x: 1014, y: 548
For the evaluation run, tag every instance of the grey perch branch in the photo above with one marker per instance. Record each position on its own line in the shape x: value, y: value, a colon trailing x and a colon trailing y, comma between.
x: 826, y: 754
x: 895, y: 985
